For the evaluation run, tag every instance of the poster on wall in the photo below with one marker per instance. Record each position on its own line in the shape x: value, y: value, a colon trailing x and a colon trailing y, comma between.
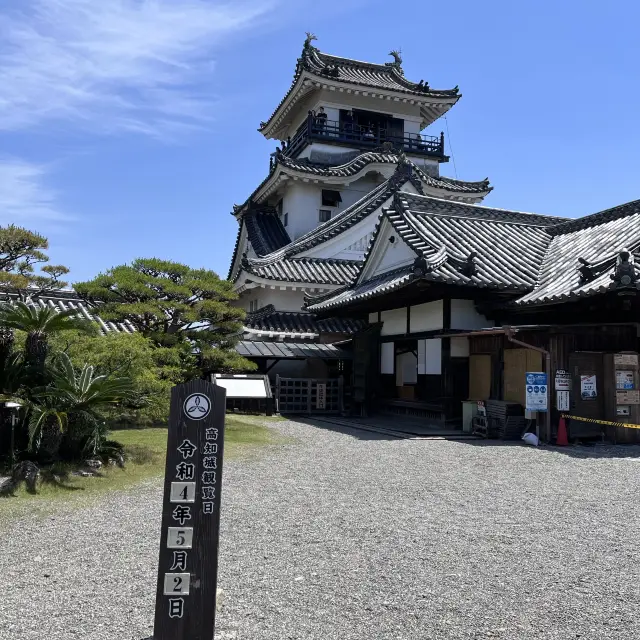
x: 563, y: 380
x: 562, y: 400
x: 624, y: 379
x: 626, y: 358
x: 588, y: 388
x: 628, y: 397
x: 536, y: 391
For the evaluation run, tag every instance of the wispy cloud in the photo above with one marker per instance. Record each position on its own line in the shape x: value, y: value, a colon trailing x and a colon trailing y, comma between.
x: 25, y: 197
x: 115, y: 65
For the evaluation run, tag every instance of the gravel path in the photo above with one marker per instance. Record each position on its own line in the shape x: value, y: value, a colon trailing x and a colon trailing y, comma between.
x: 343, y: 538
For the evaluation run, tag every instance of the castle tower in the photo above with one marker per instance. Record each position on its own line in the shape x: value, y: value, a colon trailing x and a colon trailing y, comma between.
x: 350, y: 136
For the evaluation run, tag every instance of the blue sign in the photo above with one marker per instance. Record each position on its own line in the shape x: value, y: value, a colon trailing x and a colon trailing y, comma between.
x: 536, y: 396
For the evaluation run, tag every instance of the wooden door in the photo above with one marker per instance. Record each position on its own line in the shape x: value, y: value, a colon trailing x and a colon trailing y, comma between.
x: 366, y: 368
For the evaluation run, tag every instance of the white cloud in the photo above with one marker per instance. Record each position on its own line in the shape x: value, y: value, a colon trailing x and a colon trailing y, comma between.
x: 25, y: 197
x: 106, y: 66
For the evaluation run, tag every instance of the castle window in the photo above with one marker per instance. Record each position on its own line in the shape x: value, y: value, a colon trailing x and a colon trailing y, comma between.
x: 324, y: 215
x: 253, y: 305
x: 285, y: 220
x: 331, y: 198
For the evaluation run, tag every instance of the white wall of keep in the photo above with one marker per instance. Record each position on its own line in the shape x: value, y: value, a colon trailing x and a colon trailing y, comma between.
x: 464, y: 315
x: 352, y: 243
x: 330, y: 149
x: 302, y: 201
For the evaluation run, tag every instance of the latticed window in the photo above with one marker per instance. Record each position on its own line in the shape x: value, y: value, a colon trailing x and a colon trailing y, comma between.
x: 324, y: 215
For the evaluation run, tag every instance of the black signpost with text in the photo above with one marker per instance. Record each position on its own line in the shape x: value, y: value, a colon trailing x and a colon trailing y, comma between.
x: 188, y: 564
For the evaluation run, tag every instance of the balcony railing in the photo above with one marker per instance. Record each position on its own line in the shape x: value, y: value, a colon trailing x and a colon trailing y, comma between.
x: 361, y: 137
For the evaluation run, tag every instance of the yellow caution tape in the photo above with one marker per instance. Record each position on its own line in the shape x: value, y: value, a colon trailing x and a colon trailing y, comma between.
x: 612, y: 424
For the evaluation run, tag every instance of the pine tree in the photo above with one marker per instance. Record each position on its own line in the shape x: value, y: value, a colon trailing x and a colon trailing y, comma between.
x: 175, y: 307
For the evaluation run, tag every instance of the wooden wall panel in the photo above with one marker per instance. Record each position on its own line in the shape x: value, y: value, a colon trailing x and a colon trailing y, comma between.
x: 516, y: 364
x: 479, y: 377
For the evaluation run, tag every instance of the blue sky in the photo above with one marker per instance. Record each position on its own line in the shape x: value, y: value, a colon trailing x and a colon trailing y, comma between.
x: 128, y: 128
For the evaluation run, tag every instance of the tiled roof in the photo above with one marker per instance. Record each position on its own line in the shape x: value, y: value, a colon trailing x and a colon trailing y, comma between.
x: 456, y: 244
x: 64, y: 299
x: 507, y: 247
x: 384, y: 283
x: 269, y: 321
x: 314, y: 271
x: 265, y: 231
x: 595, y: 239
x: 406, y: 171
x: 291, y: 350
x: 350, y: 216
x: 430, y: 204
x: 291, y: 166
x: 335, y: 69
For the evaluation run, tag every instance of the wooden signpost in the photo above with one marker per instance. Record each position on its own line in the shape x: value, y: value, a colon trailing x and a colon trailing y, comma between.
x: 188, y: 564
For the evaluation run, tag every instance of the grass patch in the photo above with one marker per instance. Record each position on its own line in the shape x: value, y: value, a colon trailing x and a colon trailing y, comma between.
x: 146, y: 453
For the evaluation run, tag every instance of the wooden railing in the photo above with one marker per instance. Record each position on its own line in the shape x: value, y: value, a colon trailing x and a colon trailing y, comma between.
x: 360, y: 136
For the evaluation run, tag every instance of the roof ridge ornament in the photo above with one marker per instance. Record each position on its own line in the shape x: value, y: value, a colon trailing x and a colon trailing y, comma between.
x: 625, y: 275
x: 307, y: 43
x: 397, y: 61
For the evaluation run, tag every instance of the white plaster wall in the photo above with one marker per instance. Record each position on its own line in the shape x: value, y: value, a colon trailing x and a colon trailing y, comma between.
x: 333, y: 99
x: 373, y: 318
x: 406, y: 369
x: 395, y: 322
x: 465, y: 316
x: 326, y: 148
x: 432, y: 166
x: 360, y: 188
x: 387, y: 350
x: 396, y: 254
x: 426, y: 317
x: 430, y: 356
x: 303, y: 201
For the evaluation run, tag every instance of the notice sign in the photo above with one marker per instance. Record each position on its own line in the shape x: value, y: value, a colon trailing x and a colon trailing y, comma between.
x: 562, y: 403
x: 628, y: 397
x: 563, y: 380
x: 188, y: 563
x: 536, y: 391
x: 624, y: 379
x: 626, y: 358
x: 321, y: 395
x: 588, y: 388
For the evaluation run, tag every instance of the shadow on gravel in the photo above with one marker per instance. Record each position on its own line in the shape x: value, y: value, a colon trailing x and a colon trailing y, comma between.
x: 338, y: 427
x: 596, y: 450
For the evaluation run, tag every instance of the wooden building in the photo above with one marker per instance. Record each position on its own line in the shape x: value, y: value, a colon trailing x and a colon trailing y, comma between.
x: 462, y: 300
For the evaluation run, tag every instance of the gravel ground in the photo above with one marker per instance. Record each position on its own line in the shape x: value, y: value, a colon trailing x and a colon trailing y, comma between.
x: 341, y: 537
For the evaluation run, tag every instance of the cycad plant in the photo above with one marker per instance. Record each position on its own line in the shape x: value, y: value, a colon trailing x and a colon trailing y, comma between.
x: 72, y: 402
x: 39, y: 323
